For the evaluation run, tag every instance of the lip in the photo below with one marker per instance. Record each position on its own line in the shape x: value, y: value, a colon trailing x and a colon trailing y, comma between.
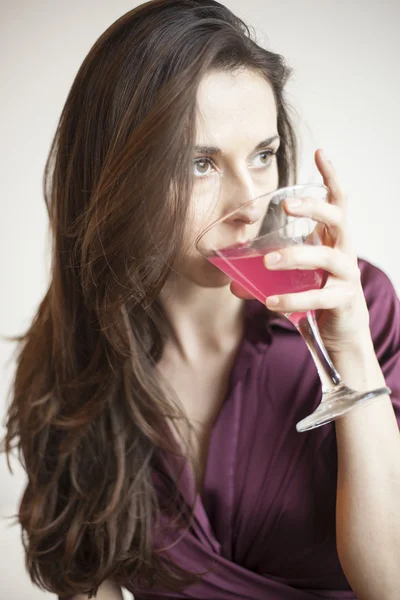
x: 240, y: 244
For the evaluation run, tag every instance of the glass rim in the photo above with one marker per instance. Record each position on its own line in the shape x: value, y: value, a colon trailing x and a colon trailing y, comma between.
x: 277, y: 191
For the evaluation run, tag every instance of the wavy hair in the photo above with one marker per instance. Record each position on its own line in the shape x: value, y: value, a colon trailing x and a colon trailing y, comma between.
x: 88, y: 407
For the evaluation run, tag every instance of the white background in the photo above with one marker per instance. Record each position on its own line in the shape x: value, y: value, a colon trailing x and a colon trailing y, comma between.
x: 346, y: 93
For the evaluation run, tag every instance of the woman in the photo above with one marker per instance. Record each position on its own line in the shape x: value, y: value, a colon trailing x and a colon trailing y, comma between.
x: 155, y: 414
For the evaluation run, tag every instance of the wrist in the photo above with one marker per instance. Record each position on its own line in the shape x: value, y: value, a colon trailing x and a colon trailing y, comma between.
x: 358, y: 365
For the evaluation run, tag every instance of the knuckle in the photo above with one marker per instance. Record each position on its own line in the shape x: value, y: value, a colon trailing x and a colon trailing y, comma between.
x: 309, y: 202
x: 356, y: 273
x: 329, y: 257
x: 340, y: 216
x: 289, y: 256
x: 348, y: 295
x: 326, y: 304
x: 287, y: 304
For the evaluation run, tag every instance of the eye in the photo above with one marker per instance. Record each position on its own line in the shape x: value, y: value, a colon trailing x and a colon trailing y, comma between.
x: 202, y: 167
x: 264, y: 158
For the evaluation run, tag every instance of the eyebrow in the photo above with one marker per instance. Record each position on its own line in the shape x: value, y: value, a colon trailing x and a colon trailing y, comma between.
x: 212, y: 150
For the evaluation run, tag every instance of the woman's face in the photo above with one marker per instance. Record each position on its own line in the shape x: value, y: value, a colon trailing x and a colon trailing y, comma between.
x: 233, y: 159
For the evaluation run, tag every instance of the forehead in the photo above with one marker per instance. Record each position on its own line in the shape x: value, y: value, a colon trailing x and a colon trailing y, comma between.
x: 233, y: 105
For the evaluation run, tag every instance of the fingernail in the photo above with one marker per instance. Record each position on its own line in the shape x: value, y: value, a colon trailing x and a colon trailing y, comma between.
x: 272, y: 259
x: 272, y: 301
x: 293, y: 202
x: 326, y: 158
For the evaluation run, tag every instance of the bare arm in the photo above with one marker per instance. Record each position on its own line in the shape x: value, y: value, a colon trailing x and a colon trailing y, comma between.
x: 368, y: 522
x: 107, y: 591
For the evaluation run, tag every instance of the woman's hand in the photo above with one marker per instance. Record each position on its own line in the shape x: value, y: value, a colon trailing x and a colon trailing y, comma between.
x: 340, y: 306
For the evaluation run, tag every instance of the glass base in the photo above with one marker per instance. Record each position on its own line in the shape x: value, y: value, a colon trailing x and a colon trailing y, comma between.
x: 336, y: 403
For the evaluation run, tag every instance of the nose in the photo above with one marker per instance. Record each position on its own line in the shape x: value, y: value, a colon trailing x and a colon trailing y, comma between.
x: 236, y: 189
x: 246, y: 214
x: 236, y: 194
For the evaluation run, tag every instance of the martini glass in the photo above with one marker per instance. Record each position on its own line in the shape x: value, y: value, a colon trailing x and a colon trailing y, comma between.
x: 236, y: 244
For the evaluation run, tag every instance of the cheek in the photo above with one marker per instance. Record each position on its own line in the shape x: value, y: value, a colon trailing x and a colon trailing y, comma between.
x: 203, y: 208
x: 194, y: 267
x: 275, y: 174
x: 269, y: 180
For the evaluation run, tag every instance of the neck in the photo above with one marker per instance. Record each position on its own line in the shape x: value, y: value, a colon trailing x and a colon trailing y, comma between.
x: 202, y: 319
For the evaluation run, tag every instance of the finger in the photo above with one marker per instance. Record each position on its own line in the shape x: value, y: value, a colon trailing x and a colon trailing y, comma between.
x: 327, y: 170
x: 325, y: 299
x: 331, y: 215
x: 333, y: 260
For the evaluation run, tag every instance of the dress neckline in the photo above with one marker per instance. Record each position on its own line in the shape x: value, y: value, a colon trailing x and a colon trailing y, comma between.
x: 259, y: 323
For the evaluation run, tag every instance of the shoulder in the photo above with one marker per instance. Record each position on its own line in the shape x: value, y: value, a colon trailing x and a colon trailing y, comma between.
x: 375, y: 282
x: 384, y: 311
x: 383, y: 304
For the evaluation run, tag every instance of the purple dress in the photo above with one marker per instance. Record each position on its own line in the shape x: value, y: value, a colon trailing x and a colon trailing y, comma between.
x: 264, y: 526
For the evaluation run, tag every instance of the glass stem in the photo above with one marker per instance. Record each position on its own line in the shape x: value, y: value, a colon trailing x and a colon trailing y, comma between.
x: 308, y: 328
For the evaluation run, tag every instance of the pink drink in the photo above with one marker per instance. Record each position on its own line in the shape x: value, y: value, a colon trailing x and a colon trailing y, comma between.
x: 246, y: 267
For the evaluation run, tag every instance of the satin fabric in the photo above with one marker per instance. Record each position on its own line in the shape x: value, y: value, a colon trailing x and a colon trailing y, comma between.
x: 264, y: 525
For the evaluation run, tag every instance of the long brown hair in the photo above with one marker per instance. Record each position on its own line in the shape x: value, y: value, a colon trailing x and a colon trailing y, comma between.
x: 88, y: 408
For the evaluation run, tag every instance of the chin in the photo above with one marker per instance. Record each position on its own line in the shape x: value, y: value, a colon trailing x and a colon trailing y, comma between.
x: 201, y: 272
x: 205, y: 275
x: 219, y: 282
x: 212, y: 277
